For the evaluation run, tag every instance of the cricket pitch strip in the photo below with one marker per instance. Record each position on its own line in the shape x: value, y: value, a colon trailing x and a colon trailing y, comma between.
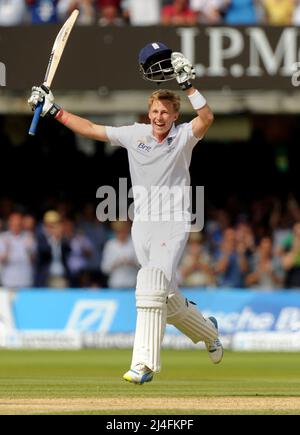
x: 165, y: 405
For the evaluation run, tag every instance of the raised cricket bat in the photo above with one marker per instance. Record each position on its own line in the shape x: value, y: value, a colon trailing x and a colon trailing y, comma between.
x: 55, y: 56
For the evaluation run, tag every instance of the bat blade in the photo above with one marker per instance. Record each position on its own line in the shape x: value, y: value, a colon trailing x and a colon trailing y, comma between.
x: 58, y: 47
x: 55, y: 56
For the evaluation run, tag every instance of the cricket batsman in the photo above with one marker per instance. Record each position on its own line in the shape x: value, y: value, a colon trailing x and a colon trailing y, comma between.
x: 159, y: 156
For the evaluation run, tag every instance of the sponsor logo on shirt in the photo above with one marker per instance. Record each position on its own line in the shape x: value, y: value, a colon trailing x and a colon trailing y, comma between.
x: 143, y: 147
x: 169, y: 143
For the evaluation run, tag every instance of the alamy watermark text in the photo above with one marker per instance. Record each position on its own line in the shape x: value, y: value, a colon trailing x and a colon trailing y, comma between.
x: 152, y: 204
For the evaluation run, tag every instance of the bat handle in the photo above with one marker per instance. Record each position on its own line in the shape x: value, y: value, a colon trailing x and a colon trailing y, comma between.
x: 35, y: 119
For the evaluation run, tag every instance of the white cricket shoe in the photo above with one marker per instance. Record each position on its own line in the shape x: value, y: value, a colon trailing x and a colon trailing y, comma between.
x: 139, y: 374
x: 214, y: 348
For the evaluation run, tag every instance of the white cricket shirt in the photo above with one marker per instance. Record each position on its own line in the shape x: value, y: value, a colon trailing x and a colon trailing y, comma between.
x: 159, y: 171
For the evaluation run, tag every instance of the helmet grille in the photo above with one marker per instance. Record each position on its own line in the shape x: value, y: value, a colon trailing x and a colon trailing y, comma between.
x: 160, y: 71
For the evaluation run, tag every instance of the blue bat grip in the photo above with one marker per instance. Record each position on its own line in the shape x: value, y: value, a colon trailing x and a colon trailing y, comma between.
x: 35, y: 119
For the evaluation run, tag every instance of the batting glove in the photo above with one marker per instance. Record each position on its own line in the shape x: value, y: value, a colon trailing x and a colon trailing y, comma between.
x: 43, y: 94
x: 184, y: 70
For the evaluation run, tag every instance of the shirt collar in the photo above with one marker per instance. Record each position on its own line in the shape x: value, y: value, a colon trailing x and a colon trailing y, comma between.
x: 172, y: 132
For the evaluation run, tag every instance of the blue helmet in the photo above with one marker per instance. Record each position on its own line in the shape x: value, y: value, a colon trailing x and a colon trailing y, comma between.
x: 155, y: 62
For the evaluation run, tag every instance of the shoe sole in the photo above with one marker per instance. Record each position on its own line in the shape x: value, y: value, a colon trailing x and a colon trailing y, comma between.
x: 214, y: 321
x: 128, y: 378
x: 218, y: 362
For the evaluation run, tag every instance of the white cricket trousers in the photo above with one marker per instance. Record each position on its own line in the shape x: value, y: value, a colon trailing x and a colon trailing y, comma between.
x: 160, y: 245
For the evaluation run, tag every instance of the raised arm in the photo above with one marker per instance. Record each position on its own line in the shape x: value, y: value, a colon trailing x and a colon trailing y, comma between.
x: 79, y: 125
x: 184, y: 71
x: 82, y: 126
x: 204, y: 117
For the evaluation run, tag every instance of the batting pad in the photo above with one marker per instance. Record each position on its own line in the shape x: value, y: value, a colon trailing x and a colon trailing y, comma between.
x: 188, y: 319
x: 151, y: 296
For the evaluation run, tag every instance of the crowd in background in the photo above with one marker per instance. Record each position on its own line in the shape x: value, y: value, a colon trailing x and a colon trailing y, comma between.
x: 259, y: 249
x: 152, y: 12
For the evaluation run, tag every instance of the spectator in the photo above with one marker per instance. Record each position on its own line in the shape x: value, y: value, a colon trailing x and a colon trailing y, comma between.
x: 217, y: 222
x: 179, y: 14
x: 241, y: 12
x: 110, y: 13
x: 102, y: 3
x: 12, y: 12
x: 266, y: 271
x: 119, y: 261
x: 278, y: 12
x: 291, y: 258
x: 43, y: 11
x: 52, y: 253
x: 17, y: 250
x: 29, y: 224
x: 231, y: 262
x: 142, y: 12
x: 80, y: 251
x: 244, y: 234
x: 196, y: 265
x: 209, y: 11
x: 85, y: 7
x: 96, y: 232
x: 280, y: 224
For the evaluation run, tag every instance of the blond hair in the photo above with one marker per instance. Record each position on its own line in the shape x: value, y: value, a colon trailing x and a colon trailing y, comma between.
x: 164, y: 94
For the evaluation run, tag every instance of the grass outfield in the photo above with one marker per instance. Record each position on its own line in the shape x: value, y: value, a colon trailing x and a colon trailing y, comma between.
x: 90, y: 382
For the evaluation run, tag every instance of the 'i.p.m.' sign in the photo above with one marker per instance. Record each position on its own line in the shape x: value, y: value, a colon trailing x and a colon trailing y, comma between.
x: 2, y: 74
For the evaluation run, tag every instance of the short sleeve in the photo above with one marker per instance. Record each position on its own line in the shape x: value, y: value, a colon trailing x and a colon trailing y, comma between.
x: 120, y: 136
x: 191, y: 139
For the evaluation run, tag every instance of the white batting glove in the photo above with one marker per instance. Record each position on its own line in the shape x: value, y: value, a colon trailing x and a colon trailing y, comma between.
x: 42, y: 93
x: 184, y: 70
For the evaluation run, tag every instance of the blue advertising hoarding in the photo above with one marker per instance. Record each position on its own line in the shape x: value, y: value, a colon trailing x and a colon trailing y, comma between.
x: 114, y: 311
x: 106, y: 318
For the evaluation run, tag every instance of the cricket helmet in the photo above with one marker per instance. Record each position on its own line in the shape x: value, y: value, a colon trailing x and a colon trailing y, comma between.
x: 155, y: 62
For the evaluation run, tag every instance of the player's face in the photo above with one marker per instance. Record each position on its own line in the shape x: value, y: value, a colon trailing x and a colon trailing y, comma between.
x: 162, y: 115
